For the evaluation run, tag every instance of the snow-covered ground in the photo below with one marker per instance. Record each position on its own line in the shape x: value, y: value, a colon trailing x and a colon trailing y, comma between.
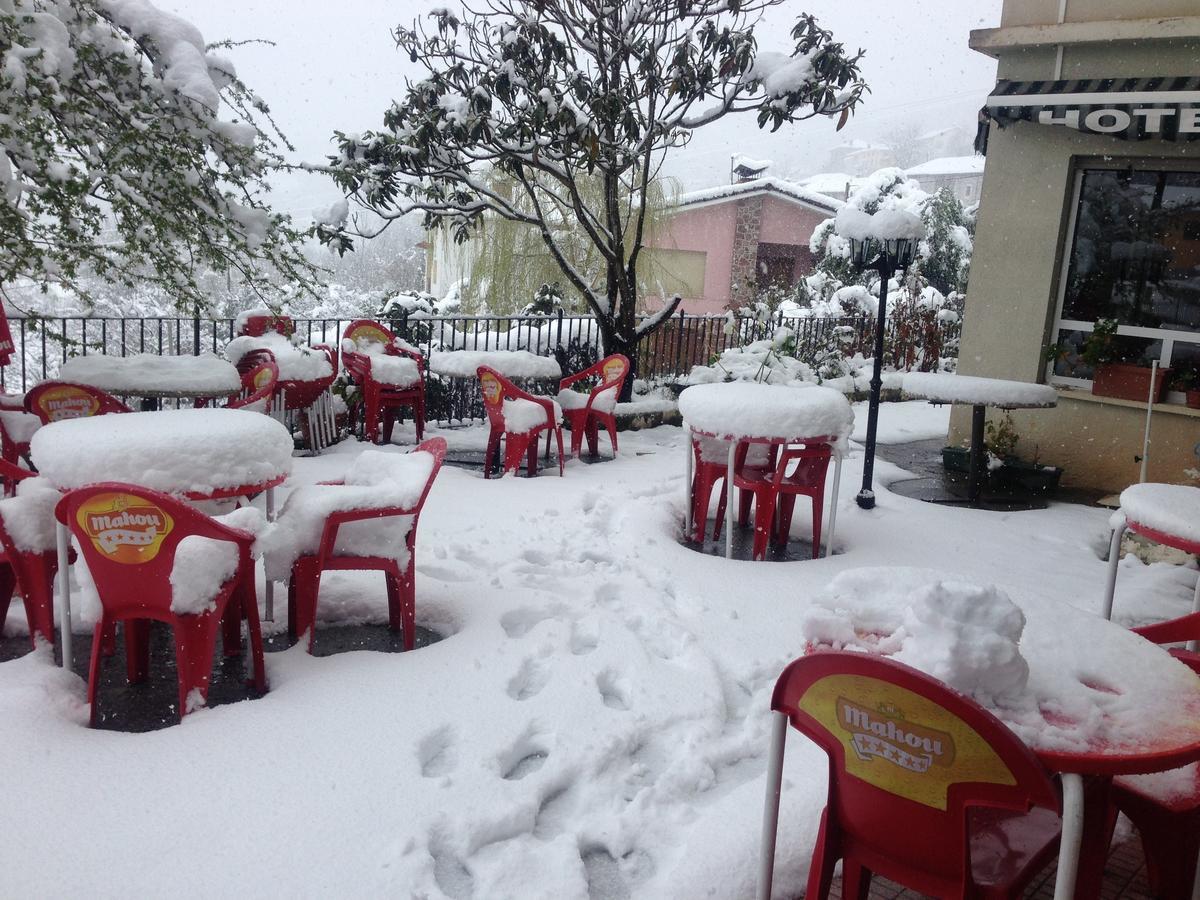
x: 593, y: 724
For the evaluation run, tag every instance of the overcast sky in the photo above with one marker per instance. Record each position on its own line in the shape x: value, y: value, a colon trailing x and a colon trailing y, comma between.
x: 334, y: 66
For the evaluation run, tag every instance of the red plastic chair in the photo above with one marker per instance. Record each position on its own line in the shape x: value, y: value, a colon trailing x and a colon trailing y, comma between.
x: 925, y: 786
x: 381, y: 400
x: 52, y: 401
x: 130, y: 536
x: 304, y: 587
x: 257, y: 326
x: 258, y: 388
x: 17, y: 428
x: 774, y: 490
x: 29, y: 572
x: 1168, y: 822
x: 585, y: 413
x: 518, y: 445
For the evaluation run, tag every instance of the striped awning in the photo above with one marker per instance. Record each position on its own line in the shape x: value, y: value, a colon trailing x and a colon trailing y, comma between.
x: 1161, y: 108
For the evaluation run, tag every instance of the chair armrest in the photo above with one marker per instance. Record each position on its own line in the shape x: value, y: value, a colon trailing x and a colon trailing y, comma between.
x: 1185, y: 628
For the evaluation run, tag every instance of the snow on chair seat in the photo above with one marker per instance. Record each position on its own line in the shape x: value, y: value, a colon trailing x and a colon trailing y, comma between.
x: 521, y: 416
x: 1168, y: 514
x: 295, y: 362
x: 367, y: 521
x: 394, y: 371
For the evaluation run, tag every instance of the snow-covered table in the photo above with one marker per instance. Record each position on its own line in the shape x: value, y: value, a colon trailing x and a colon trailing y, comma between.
x: 1089, y: 697
x: 518, y: 364
x: 980, y: 393
x: 197, y: 454
x: 155, y: 377
x: 739, y: 412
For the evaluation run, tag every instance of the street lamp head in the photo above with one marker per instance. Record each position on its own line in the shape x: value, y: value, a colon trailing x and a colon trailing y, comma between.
x: 891, y: 253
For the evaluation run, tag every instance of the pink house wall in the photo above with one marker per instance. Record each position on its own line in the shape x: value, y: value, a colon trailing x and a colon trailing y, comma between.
x: 710, y: 229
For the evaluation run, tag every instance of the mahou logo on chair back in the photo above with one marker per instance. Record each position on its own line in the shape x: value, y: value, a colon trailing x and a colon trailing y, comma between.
x: 369, y: 334
x: 125, y: 528
x: 613, y: 369
x: 67, y: 402
x: 885, y: 733
x: 490, y: 386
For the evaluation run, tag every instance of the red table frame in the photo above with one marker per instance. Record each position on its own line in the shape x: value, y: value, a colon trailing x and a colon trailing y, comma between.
x: 733, y: 441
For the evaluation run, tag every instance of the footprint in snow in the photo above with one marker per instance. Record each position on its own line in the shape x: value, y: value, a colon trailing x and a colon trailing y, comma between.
x: 524, y: 757
x: 436, y: 753
x: 614, y: 690
x: 529, y: 680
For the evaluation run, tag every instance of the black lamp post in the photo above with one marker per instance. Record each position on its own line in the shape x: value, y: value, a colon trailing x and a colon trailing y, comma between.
x: 887, y: 257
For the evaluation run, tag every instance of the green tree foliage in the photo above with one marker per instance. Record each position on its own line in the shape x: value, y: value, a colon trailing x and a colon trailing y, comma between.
x: 131, y: 151
x: 557, y: 93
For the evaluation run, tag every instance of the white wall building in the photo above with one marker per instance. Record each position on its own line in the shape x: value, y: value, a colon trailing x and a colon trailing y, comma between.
x: 962, y: 174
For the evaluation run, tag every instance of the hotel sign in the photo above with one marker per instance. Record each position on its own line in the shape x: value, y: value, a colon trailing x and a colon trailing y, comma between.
x: 1129, y: 108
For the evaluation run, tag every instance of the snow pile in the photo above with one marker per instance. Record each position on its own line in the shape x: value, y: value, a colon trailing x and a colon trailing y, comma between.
x: 375, y: 480
x: 29, y: 516
x: 175, y: 451
x: 295, y: 362
x: 570, y: 399
x: 202, y: 565
x: 779, y: 73
x: 1120, y: 692
x: 996, y: 392
x: 395, y: 371
x: 1172, y: 509
x: 747, y: 410
x: 762, y: 361
x: 521, y: 415
x: 130, y: 375
x: 884, y: 225
x: 509, y: 363
x: 19, y: 426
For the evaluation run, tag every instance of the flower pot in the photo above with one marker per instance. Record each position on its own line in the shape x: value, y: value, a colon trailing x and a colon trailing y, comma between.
x: 1012, y: 476
x: 1193, y: 399
x: 1128, y: 382
x: 956, y: 459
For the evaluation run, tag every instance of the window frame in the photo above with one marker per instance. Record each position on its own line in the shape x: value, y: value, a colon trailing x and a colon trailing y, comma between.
x: 1168, y: 336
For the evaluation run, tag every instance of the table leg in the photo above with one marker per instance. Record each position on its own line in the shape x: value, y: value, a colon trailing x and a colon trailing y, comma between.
x: 62, y: 538
x: 978, y: 469
x: 729, y: 501
x: 1114, y: 560
x: 269, y: 585
x: 687, y: 484
x: 770, y: 823
x: 1072, y: 836
x: 833, y: 504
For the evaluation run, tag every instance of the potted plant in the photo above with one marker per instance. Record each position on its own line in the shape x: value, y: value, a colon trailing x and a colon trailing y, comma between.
x: 1006, y: 471
x: 1111, y: 375
x: 1187, y: 379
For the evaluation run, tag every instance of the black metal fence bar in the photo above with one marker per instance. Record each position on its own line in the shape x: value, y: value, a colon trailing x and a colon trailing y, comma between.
x: 670, y: 352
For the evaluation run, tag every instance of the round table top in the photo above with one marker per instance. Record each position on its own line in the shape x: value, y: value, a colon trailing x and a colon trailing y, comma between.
x: 746, y: 410
x: 941, y: 387
x: 1168, y: 513
x: 150, y: 375
x: 509, y: 363
x: 1098, y: 698
x: 192, y: 452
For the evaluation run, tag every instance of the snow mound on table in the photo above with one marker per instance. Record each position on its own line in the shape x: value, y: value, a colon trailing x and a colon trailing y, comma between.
x: 509, y: 363
x: 176, y: 450
x: 1173, y: 509
x: 202, y: 565
x: 521, y: 415
x: 29, y: 516
x: 985, y: 391
x: 19, y: 426
x: 961, y: 634
x: 296, y: 363
x: 748, y: 410
x: 375, y: 480
x: 149, y: 371
x: 1086, y: 683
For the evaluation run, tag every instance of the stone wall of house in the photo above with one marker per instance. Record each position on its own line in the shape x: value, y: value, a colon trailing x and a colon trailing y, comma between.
x: 747, y: 228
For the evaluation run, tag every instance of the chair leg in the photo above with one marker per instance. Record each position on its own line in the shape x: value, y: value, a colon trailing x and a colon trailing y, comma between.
x: 818, y: 511
x: 371, y: 414
x: 401, y: 605
x: 137, y: 650
x: 303, y: 591
x: 419, y: 418
x: 38, y: 592
x: 786, y: 505
x: 1171, y: 843
x: 493, y: 449
x: 531, y: 456
x: 856, y: 881
x: 702, y: 487
x: 591, y: 432
x: 389, y: 423
x: 764, y: 521
x: 744, y: 498
x: 516, y: 447
x: 8, y: 583
x: 195, y: 643
x: 610, y: 425
x: 102, y: 627
x: 249, y: 604
x: 820, y: 872
x: 577, y: 426
x: 561, y: 460
x: 231, y: 627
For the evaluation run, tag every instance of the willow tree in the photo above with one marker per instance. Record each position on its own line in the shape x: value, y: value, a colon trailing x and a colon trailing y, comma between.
x: 555, y: 93
x: 509, y: 261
